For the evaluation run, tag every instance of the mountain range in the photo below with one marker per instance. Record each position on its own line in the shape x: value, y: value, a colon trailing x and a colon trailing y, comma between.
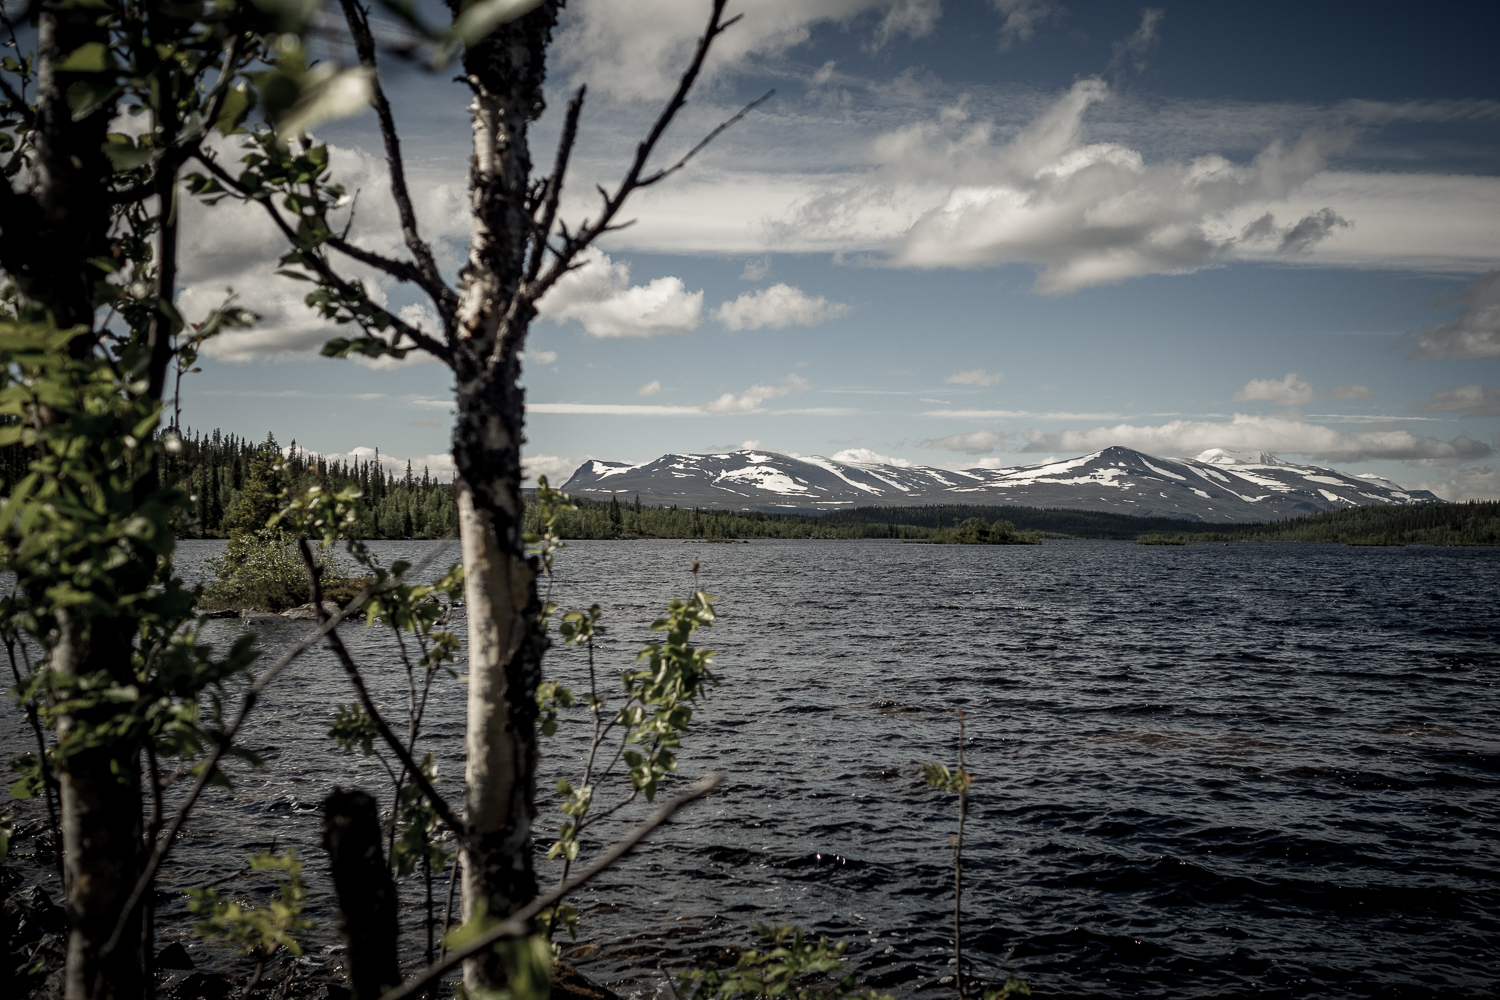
x: 1216, y: 486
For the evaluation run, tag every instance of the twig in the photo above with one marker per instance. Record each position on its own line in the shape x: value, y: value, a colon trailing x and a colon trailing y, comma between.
x: 518, y: 924
x: 430, y: 278
x: 222, y: 742
x: 439, y: 804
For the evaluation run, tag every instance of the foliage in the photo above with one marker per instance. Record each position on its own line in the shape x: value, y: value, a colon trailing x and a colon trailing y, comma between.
x: 646, y: 727
x: 528, y: 960
x: 259, y: 930
x: 1155, y: 539
x: 978, y: 531
x: 791, y: 966
x: 88, y: 534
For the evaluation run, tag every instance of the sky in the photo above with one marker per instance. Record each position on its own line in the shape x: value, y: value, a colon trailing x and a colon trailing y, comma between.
x: 983, y: 233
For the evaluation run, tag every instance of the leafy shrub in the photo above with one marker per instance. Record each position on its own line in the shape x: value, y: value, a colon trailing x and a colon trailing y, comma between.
x: 263, y: 570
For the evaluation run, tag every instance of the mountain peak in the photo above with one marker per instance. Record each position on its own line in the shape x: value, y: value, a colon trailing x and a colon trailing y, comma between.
x: 1218, y: 485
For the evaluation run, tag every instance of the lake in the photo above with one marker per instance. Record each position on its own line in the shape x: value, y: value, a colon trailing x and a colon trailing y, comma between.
x: 1255, y: 770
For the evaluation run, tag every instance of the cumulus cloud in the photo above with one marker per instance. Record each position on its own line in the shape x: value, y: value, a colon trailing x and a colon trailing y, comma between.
x: 651, y: 388
x: 976, y: 377
x: 1469, y: 482
x: 212, y: 265
x: 540, y: 357
x: 1293, y: 390
x: 972, y: 443
x: 1087, y: 213
x: 1475, y: 333
x: 600, y: 296
x: 1280, y: 435
x: 636, y: 50
x: 751, y: 399
x: 1022, y: 18
x: 776, y: 307
x: 1468, y: 400
x: 557, y: 468
x: 866, y: 456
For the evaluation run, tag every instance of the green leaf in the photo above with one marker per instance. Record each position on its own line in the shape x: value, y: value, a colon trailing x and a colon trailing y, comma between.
x: 90, y: 57
x: 87, y: 96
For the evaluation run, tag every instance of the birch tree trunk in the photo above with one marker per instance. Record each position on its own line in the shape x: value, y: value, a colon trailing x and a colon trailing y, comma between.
x: 505, y: 73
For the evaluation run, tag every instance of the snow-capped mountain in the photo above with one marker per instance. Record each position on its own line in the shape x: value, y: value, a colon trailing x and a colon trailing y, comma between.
x: 1218, y: 485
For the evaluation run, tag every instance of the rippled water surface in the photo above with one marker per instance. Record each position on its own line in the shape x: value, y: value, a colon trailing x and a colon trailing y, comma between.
x: 1204, y: 771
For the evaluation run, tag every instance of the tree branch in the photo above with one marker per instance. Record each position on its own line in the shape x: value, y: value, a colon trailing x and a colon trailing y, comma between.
x: 443, y: 296
x: 533, y: 290
x: 224, y: 738
x: 518, y: 925
x: 432, y: 346
x: 553, y: 193
x: 439, y: 804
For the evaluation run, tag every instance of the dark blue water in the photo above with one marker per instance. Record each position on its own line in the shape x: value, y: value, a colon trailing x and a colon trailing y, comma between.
x: 1202, y: 771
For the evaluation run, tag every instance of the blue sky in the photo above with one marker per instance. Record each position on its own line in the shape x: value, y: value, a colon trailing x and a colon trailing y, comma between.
x: 982, y: 233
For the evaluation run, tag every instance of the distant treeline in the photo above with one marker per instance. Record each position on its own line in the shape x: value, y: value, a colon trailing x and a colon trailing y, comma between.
x: 1476, y: 523
x: 1050, y: 522
x: 214, y: 467
x: 1473, y: 523
x: 632, y: 519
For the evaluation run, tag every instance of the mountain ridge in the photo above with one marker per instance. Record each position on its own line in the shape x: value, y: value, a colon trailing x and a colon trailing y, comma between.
x: 1217, y: 486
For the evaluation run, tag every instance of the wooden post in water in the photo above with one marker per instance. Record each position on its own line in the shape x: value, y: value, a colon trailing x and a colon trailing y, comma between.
x: 367, y: 895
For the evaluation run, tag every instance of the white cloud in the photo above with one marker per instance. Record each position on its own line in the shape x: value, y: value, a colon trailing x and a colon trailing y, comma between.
x: 600, y: 296
x: 976, y: 377
x: 650, y: 388
x: 1136, y: 46
x: 751, y: 399
x: 1469, y: 482
x: 288, y: 329
x: 1024, y: 17
x: 636, y: 50
x: 556, y: 468
x: 972, y: 443
x: 539, y: 357
x: 913, y: 18
x: 1280, y: 435
x: 1090, y: 214
x: 439, y: 465
x: 776, y: 307
x: 865, y: 456
x: 757, y: 269
x: 1476, y: 332
x: 1293, y: 390
x: 1469, y: 400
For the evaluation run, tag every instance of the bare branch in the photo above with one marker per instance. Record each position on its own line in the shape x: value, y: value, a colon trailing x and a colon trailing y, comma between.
x: 432, y: 346
x: 518, y: 925
x: 662, y: 174
x: 531, y: 291
x: 553, y: 191
x: 364, y: 43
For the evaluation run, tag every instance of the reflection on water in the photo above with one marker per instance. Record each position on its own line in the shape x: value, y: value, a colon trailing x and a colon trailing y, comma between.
x: 1253, y: 770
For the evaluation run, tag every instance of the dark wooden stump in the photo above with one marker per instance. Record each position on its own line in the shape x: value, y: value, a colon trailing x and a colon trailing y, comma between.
x: 367, y: 896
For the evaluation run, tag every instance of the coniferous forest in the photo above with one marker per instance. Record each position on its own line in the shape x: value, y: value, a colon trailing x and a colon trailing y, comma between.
x: 213, y: 467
